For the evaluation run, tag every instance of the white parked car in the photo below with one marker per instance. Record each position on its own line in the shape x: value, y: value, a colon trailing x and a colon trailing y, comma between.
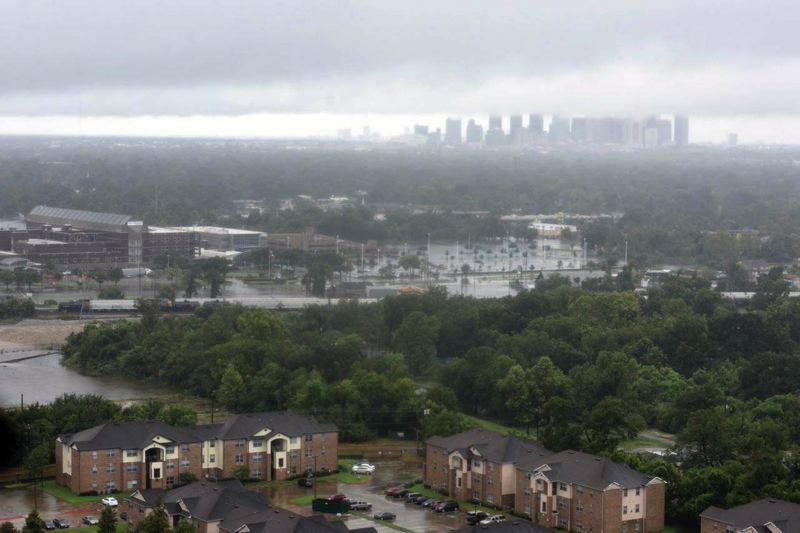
x: 363, y: 468
x: 496, y: 519
x: 110, y: 501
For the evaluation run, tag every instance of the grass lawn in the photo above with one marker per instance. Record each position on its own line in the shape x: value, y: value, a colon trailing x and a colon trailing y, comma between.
x: 430, y: 493
x: 303, y: 500
x: 121, y: 528
x: 345, y: 475
x: 63, y: 493
x: 491, y: 425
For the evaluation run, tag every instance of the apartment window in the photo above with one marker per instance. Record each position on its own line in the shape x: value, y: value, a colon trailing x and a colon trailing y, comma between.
x: 458, y: 482
x: 579, y: 526
x: 562, y: 523
x: 94, y: 485
x: 579, y: 507
x: 212, y: 444
x: 323, y: 452
x: 255, y: 474
x: 280, y: 462
x: 131, y: 453
x: 591, y: 507
x: 562, y: 487
x: 184, y: 463
x: 257, y: 458
x: 239, y: 459
x: 94, y: 469
x: 133, y: 468
x: 538, y: 482
x: 294, y: 469
x: 111, y: 453
x: 212, y: 458
x: 132, y: 484
x: 476, y: 479
x: 184, y: 448
x: 637, y: 507
x: 444, y: 469
x: 562, y: 504
x: 110, y: 469
x: 544, y: 507
x: 624, y: 493
x: 490, y: 481
x: 476, y: 463
x: 238, y: 443
x: 170, y: 466
x: 258, y: 443
x: 527, y: 491
x: 323, y: 437
x: 292, y: 455
x: 528, y: 475
x: 170, y: 480
x: 729, y: 529
x: 435, y: 468
x: 294, y: 441
x: 579, y: 489
x: 308, y: 452
x: 636, y: 526
x: 490, y: 498
x: 444, y: 452
x: 309, y: 437
x: 170, y: 449
x: 476, y: 495
x: 638, y: 491
x: 624, y: 509
x: 490, y: 467
x: 527, y: 510
x: 94, y: 455
x: 111, y: 486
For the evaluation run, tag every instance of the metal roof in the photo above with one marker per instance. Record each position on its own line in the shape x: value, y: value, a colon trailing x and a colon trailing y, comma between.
x: 77, y: 216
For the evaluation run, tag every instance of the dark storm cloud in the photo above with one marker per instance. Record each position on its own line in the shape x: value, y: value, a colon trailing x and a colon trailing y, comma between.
x: 201, y: 56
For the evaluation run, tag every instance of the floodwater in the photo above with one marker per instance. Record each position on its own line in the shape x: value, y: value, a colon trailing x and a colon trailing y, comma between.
x: 43, y: 379
x: 16, y: 503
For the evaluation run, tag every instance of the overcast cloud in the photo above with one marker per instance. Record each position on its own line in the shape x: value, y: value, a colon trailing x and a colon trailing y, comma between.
x: 200, y: 57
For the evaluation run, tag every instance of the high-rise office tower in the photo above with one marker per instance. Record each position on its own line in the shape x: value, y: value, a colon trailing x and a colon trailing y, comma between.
x: 420, y: 129
x: 536, y: 124
x: 496, y: 122
x: 663, y: 129
x: 580, y: 129
x: 452, y: 131
x: 474, y: 132
x: 681, y: 130
x: 559, y: 129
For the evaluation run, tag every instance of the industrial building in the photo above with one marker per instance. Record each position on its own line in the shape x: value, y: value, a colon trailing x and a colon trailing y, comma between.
x: 223, y: 239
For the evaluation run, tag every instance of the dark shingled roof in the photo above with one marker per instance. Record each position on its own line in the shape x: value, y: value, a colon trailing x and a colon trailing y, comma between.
x: 509, y: 526
x: 135, y: 434
x: 127, y: 435
x: 584, y: 469
x: 785, y: 515
x: 493, y: 446
x: 285, y: 422
x: 281, y: 521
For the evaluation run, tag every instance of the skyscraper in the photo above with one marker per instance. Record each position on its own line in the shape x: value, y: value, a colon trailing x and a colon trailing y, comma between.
x: 420, y: 129
x: 495, y: 122
x: 559, y: 129
x: 452, y: 131
x: 536, y: 124
x: 474, y: 132
x: 681, y: 130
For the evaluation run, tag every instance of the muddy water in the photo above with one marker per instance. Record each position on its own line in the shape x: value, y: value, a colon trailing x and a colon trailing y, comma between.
x: 43, y: 379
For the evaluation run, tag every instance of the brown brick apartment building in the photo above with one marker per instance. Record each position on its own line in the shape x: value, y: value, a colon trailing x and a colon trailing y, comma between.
x: 224, y: 507
x: 152, y: 455
x: 576, y: 491
x: 770, y: 516
x: 477, y: 465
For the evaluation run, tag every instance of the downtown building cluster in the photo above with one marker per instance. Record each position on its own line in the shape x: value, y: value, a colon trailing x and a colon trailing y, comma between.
x: 650, y: 132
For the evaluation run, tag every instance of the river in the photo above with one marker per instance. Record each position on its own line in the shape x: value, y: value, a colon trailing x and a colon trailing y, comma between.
x: 43, y: 379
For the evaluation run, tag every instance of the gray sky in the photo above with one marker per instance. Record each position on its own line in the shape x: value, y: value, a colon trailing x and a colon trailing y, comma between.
x: 130, y: 65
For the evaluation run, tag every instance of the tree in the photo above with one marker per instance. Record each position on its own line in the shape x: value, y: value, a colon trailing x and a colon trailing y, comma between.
x: 156, y: 522
x: 231, y: 387
x: 8, y: 527
x: 115, y: 275
x: 110, y: 293
x: 178, y: 415
x: 6, y: 278
x: 108, y: 520
x: 186, y: 526
x: 416, y: 339
x: 37, y: 460
x: 184, y: 478
x: 33, y: 524
x: 409, y: 262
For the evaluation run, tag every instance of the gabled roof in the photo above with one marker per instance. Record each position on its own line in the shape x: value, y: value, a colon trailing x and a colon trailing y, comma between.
x: 275, y: 520
x: 137, y: 434
x: 127, y: 435
x: 490, y: 445
x: 585, y: 469
x: 784, y: 515
x: 285, y: 422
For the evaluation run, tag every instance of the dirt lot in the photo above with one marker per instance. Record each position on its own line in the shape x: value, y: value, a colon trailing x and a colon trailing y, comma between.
x: 34, y: 332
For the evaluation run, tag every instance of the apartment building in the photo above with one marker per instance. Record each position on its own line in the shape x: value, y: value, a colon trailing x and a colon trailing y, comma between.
x: 152, y: 455
x: 477, y: 465
x: 224, y: 507
x: 580, y: 492
x: 762, y: 516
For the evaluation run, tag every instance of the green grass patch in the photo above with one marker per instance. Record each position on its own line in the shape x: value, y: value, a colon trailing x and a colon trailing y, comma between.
x: 63, y: 493
x: 345, y: 475
x: 492, y: 425
x: 122, y: 527
x: 303, y: 500
x: 430, y: 493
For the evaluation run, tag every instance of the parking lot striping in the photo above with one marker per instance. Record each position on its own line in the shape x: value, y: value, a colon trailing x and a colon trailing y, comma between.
x: 385, y: 523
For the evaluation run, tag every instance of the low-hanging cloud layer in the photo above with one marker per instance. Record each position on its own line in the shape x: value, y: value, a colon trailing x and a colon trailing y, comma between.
x: 234, y: 57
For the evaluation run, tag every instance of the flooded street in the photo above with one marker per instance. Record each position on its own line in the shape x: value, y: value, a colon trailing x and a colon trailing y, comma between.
x: 43, y: 379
